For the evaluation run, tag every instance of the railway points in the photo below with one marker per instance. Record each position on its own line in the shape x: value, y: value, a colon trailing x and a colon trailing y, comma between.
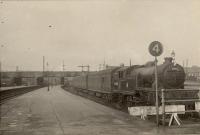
x: 58, y: 112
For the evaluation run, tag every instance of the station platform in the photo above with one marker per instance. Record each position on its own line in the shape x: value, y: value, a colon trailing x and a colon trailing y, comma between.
x: 13, y: 87
x: 58, y: 112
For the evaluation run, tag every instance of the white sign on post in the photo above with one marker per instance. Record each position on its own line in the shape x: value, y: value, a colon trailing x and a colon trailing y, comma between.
x: 151, y: 110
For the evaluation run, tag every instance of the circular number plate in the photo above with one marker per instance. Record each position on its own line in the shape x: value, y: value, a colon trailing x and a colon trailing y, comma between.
x: 155, y: 48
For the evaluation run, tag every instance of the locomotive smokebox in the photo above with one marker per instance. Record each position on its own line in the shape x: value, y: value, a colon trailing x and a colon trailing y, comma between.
x: 170, y: 75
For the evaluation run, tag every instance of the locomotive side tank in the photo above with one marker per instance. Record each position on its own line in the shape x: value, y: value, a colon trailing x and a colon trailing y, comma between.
x: 170, y: 75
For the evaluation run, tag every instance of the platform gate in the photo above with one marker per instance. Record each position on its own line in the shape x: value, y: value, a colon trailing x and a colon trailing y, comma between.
x: 165, y: 93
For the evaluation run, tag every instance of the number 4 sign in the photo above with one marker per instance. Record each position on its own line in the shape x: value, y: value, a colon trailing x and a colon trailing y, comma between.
x: 155, y: 48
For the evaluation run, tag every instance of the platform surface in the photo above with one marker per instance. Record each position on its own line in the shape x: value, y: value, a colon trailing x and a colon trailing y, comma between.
x: 58, y: 112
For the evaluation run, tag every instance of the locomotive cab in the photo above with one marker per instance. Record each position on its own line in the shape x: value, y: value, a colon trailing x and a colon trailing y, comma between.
x: 122, y: 79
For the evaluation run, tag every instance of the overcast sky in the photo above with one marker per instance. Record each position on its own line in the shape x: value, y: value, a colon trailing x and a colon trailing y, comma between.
x: 87, y: 32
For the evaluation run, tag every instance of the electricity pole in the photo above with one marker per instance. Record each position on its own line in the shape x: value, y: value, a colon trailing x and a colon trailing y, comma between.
x: 88, y: 67
x: 43, y: 66
x: 0, y: 74
x: 47, y: 76
x: 17, y: 68
x: 99, y: 67
x: 0, y: 89
x: 63, y: 66
x: 82, y: 68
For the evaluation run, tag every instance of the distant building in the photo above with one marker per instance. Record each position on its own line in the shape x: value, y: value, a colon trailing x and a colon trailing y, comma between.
x: 193, y: 73
x: 13, y: 78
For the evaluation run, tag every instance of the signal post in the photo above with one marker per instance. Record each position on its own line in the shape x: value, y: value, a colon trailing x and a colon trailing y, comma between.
x: 156, y: 49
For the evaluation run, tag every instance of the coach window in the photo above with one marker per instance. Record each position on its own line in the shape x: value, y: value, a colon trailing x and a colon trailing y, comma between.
x: 120, y: 74
x: 126, y: 84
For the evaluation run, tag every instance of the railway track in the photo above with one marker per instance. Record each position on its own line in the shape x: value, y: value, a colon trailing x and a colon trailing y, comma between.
x: 12, y: 93
x: 96, y: 99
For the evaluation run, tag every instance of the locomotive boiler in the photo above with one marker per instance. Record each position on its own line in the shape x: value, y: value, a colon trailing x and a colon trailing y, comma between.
x: 170, y: 75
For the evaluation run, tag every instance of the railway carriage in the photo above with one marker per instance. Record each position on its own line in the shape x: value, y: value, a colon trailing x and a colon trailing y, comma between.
x: 80, y: 81
x: 102, y: 80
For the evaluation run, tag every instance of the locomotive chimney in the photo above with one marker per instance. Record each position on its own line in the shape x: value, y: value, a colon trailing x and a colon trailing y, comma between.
x: 168, y: 60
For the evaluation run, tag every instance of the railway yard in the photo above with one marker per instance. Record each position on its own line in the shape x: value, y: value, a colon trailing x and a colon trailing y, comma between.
x: 117, y: 100
x: 84, y: 67
x: 58, y: 112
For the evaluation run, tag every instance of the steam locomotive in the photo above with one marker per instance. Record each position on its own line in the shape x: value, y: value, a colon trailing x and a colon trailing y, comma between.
x: 131, y: 85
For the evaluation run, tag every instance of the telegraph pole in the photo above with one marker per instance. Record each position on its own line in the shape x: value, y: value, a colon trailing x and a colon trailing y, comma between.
x: 0, y: 89
x: 43, y: 65
x: 82, y: 68
x: 104, y: 64
x: 99, y: 67
x: 88, y: 67
x: 63, y: 66
x: 186, y: 68
x: 17, y: 68
x: 47, y: 76
x: 0, y: 74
